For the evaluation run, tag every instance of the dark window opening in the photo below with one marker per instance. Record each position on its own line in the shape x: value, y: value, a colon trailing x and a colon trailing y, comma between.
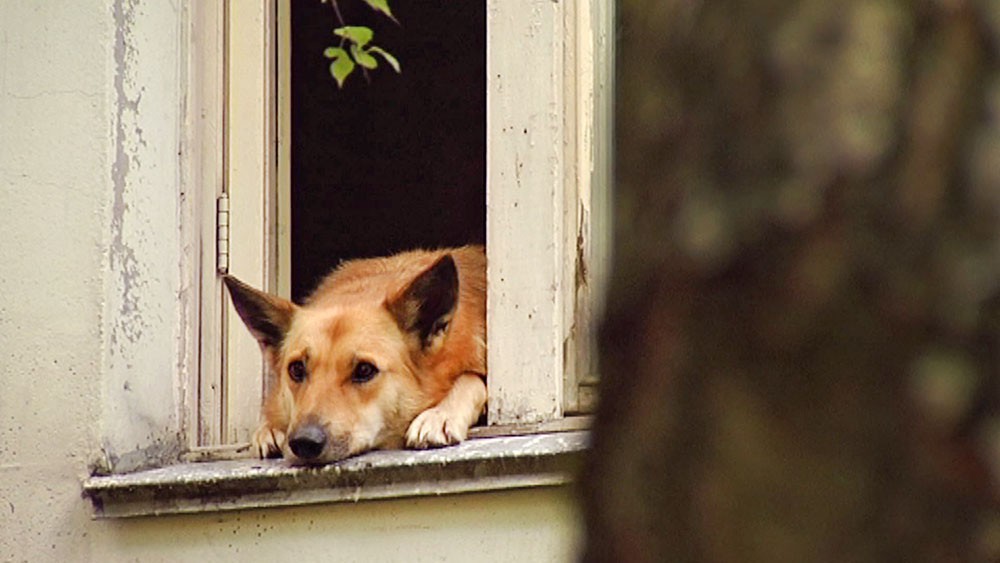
x: 394, y: 162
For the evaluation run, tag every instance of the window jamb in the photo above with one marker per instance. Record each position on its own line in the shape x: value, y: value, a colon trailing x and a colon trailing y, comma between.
x: 250, y: 163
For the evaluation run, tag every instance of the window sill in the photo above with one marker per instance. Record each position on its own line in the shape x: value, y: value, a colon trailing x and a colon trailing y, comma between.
x: 484, y: 464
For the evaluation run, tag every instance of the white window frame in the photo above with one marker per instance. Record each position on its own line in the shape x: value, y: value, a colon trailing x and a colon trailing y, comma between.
x: 231, y: 118
x: 251, y: 164
x: 205, y: 178
x: 548, y: 220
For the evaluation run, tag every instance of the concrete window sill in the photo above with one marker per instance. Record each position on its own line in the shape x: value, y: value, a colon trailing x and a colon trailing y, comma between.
x: 483, y: 464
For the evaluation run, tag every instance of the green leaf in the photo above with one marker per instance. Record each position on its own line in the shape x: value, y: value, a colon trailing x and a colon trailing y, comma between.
x: 387, y: 56
x: 363, y: 58
x: 360, y: 35
x: 341, y: 69
x: 342, y: 65
x: 381, y: 6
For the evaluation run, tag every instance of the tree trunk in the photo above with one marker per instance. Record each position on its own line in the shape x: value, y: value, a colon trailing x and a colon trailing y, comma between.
x: 800, y: 357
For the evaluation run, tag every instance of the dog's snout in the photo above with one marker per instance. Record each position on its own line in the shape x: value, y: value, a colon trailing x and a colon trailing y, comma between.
x: 308, y: 441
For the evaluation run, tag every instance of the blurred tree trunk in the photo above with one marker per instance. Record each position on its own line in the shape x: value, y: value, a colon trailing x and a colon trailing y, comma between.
x: 800, y: 354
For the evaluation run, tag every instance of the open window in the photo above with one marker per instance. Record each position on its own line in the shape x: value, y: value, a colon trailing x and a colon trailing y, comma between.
x: 497, y: 131
x: 543, y: 168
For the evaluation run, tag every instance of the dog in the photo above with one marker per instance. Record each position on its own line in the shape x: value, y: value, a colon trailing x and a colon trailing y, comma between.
x: 386, y: 353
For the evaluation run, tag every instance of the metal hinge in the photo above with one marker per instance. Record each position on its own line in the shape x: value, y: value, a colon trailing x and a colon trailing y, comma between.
x: 222, y: 234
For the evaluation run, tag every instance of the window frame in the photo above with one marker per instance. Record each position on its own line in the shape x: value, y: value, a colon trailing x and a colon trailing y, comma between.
x: 251, y: 186
x: 545, y: 326
x: 205, y: 179
x: 548, y: 129
x: 234, y: 166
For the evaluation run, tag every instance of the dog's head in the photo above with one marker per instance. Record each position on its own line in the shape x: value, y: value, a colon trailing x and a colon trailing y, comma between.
x: 350, y: 368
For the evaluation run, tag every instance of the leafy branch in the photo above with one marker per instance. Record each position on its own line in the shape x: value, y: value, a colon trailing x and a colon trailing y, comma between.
x: 356, y: 48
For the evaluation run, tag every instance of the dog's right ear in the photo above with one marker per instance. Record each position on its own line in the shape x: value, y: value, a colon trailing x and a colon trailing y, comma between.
x: 426, y: 305
x: 268, y: 317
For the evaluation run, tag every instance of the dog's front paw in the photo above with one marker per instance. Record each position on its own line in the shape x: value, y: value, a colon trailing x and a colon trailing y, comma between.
x: 436, y: 427
x: 267, y: 441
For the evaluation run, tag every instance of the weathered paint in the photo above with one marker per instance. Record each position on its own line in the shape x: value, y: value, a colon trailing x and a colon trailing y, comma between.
x: 485, y: 464
x: 546, y: 195
x: 525, y: 175
x: 141, y: 420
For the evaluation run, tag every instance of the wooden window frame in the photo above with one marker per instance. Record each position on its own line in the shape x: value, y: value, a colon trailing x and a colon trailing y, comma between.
x: 232, y: 108
x: 548, y: 165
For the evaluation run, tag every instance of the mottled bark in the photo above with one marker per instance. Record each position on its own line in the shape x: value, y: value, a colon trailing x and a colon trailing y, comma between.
x: 800, y: 357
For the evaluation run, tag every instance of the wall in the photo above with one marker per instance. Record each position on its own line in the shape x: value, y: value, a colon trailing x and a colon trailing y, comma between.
x: 534, y: 525
x: 91, y: 119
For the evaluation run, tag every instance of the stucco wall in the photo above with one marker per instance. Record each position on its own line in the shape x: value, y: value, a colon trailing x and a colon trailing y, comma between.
x: 55, y: 195
x: 91, y: 120
x: 535, y: 525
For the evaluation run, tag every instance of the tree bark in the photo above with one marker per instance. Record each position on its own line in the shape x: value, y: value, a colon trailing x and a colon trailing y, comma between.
x: 800, y: 357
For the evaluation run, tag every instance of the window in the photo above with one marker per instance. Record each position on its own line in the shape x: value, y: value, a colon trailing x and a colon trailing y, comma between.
x: 546, y: 223
x: 546, y: 214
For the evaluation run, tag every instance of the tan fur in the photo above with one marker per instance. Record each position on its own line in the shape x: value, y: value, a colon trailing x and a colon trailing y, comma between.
x: 426, y: 393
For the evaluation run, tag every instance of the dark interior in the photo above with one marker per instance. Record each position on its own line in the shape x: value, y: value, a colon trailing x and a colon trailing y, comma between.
x: 397, y: 161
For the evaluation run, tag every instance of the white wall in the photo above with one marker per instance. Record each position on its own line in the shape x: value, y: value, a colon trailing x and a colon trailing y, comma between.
x: 55, y: 167
x: 91, y: 119
x: 536, y: 525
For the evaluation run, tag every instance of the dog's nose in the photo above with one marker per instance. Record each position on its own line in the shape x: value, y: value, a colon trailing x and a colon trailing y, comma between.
x: 308, y: 441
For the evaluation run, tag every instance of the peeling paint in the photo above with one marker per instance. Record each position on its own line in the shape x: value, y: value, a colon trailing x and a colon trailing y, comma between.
x: 141, y: 417
x: 122, y: 256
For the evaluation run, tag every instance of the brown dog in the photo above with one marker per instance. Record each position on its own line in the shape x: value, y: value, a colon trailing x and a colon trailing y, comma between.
x: 386, y: 352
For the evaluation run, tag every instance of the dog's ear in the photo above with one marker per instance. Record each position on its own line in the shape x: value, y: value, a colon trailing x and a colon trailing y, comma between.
x: 268, y: 317
x: 425, y: 306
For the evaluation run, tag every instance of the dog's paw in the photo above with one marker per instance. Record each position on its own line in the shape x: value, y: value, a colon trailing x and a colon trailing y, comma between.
x: 436, y: 427
x: 267, y: 441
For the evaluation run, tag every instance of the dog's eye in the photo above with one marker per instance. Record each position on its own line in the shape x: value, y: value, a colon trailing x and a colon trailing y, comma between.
x: 297, y: 371
x: 363, y: 372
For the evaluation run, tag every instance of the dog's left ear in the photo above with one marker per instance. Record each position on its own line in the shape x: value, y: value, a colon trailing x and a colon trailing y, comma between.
x: 426, y: 305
